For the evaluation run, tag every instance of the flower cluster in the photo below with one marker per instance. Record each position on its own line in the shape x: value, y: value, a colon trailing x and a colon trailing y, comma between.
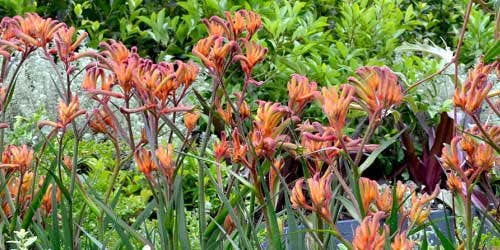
x: 474, y: 90
x: 22, y: 35
x: 27, y: 33
x: 156, y: 89
x: 155, y: 84
x: 371, y: 236
x: 320, y: 191
x: 20, y: 191
x: 268, y: 126
x: 301, y: 91
x: 367, y: 234
x: 466, y: 159
x: 225, y: 43
x: 377, y: 89
x: 164, y: 162
x: 376, y: 199
x: 17, y: 159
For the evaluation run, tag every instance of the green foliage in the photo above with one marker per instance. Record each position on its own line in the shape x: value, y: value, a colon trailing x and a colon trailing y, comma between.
x: 326, y: 40
x: 14, y: 7
x: 23, y: 240
x: 23, y: 130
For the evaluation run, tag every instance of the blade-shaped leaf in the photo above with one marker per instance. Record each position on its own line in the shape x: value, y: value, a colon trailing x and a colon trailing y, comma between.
x: 350, y: 207
x: 96, y: 242
x: 446, y: 243
x: 373, y: 156
x: 425, y: 244
x: 121, y: 223
x: 180, y: 214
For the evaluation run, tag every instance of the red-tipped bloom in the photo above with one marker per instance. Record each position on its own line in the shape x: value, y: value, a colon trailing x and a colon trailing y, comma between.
x: 221, y: 148
x: 384, y: 200
x: 243, y: 20
x: 244, y: 110
x: 145, y: 162
x: 226, y: 114
x: 19, y: 189
x: 367, y: 236
x: 336, y: 105
x: 121, y: 61
x: 190, y: 120
x: 237, y: 23
x: 369, y: 192
x: 165, y: 156
x: 300, y: 92
x: 274, y: 172
x: 401, y: 242
x: 320, y: 192
x: 297, y: 197
x: 238, y: 150
x: 377, y: 88
x: 253, y: 22
x: 269, y: 118
x: 17, y: 158
x: 483, y: 158
x: 479, y: 158
x: 65, y: 45
x: 401, y: 192
x: 419, y: 211
x: 472, y: 93
x: 186, y: 73
x: 267, y: 128
x: 47, y: 199
x: 216, y: 26
x: 318, y: 143
x: 454, y: 183
x: 450, y: 157
x: 254, y: 54
x: 33, y: 30
x: 68, y: 162
x: 213, y: 51
x: 100, y: 121
x: 68, y: 112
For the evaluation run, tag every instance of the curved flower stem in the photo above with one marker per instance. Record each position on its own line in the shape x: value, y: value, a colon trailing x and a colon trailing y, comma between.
x: 468, y: 221
x: 129, y: 124
x: 75, y: 156
x: 371, y: 128
x: 492, y: 106
x: 416, y: 84
x: 4, y: 110
x: 8, y: 197
x: 18, y: 198
x: 456, y: 59
x: 319, y: 226
x: 355, y: 169
x: 485, y: 134
x: 116, y: 170
x: 345, y: 187
x: 453, y: 209
x: 201, y: 170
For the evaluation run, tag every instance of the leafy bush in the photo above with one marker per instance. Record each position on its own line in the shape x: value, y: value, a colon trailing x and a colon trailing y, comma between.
x: 261, y: 126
